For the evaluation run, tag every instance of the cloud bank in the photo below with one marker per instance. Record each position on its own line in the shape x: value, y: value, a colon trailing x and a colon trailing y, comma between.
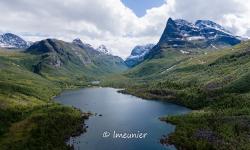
x: 111, y: 23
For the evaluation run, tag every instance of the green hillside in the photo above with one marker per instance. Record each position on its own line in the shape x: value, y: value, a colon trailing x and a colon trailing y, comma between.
x: 29, y: 119
x: 63, y: 60
x: 26, y: 110
x: 214, y: 83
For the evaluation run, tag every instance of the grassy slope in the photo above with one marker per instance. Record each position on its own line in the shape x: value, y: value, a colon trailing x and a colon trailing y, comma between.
x: 217, y: 84
x: 145, y: 71
x: 29, y: 119
x: 66, y: 62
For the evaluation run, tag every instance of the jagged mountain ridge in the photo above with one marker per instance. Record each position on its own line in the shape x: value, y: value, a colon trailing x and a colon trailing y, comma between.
x: 201, y: 34
x: 79, y: 42
x: 186, y: 37
x: 71, y: 56
x: 102, y: 49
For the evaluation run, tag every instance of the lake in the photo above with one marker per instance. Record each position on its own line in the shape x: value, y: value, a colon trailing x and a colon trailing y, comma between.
x: 123, y: 122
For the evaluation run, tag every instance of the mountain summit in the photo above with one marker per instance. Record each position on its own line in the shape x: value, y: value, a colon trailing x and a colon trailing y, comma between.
x: 201, y: 34
x: 102, y: 49
x: 137, y: 54
x: 9, y: 40
x: 79, y: 42
x: 188, y: 37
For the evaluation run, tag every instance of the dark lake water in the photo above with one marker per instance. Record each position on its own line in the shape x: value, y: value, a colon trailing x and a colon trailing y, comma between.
x: 120, y: 114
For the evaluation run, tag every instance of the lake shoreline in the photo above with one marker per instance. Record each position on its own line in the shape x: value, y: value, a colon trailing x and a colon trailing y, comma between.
x: 81, y: 127
x: 151, y: 98
x: 119, y: 91
x: 80, y: 130
x: 165, y: 139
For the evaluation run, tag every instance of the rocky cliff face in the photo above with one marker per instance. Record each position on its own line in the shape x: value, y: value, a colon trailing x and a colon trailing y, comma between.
x: 201, y: 34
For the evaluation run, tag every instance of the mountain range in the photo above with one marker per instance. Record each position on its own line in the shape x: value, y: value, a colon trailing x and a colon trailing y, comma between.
x: 214, y: 83
x: 77, y: 56
x: 178, y: 34
x: 182, y: 35
x: 60, y: 57
x: 202, y: 66
x: 199, y: 65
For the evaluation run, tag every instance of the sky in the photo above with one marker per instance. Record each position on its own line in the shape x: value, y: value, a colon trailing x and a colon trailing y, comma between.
x: 118, y: 24
x: 139, y: 7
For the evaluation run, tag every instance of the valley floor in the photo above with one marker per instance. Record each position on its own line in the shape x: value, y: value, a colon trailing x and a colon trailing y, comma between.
x: 215, y: 84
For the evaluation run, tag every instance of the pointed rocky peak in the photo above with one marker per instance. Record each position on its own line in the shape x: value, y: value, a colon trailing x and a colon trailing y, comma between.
x: 171, y: 22
x: 183, y: 34
x: 103, y: 49
x: 171, y: 32
x: 79, y: 42
x: 171, y: 25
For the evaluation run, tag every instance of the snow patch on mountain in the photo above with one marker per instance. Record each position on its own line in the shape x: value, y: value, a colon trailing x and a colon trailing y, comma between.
x: 141, y: 50
x: 9, y: 40
x: 184, y: 52
x: 207, y: 24
x: 180, y: 33
x: 195, y: 38
x: 138, y: 53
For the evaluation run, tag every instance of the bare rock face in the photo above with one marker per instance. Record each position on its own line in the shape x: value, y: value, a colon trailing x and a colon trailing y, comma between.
x: 181, y: 33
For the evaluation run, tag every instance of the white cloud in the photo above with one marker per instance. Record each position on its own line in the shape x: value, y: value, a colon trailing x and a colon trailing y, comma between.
x: 109, y: 22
